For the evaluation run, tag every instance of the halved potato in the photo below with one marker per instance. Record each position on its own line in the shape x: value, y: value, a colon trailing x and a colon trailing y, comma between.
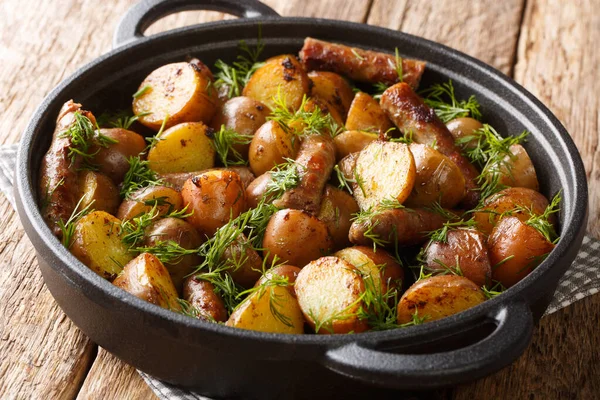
x: 97, y: 243
x: 333, y: 89
x: 365, y: 114
x: 143, y: 200
x: 330, y: 292
x: 280, y: 76
x: 183, y: 148
x: 384, y: 171
x: 98, y: 192
x: 352, y: 141
x: 178, y: 92
x: 438, y: 297
x: 270, y: 146
x: 147, y: 278
x: 337, y: 210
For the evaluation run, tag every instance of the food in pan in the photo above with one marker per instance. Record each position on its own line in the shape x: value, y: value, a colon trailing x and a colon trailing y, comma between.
x: 315, y: 194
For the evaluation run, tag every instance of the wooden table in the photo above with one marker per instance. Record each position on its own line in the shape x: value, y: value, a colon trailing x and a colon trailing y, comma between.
x: 546, y: 45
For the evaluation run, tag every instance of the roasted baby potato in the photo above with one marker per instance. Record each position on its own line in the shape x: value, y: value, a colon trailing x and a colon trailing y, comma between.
x: 182, y: 233
x: 165, y: 199
x: 337, y: 209
x: 333, y: 89
x: 258, y: 189
x: 206, y: 303
x: 147, y: 278
x: 214, y: 197
x: 463, y: 253
x: 270, y: 146
x: 281, y: 77
x: 518, y: 170
x: 386, y: 273
x: 112, y: 159
x: 175, y: 93
x: 183, y: 148
x: 352, y: 141
x: 511, y: 200
x: 243, y: 262
x: 463, y: 127
x: 384, y: 171
x: 272, y: 307
x: 98, y: 192
x: 515, y: 250
x: 365, y: 114
x: 177, y: 179
x: 437, y: 297
x: 329, y: 292
x: 438, y: 179
x: 286, y: 229
x: 97, y: 243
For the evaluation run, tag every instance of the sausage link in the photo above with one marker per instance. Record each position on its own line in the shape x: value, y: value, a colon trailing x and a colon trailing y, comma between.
x: 358, y: 64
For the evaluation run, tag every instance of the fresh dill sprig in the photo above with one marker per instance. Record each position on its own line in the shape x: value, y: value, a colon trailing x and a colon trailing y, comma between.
x: 180, y: 214
x: 153, y: 140
x: 442, y: 99
x: 370, y: 213
x: 378, y: 89
x: 138, y: 176
x: 120, y: 119
x: 284, y: 176
x: 441, y: 234
x: 225, y: 287
x: 343, y: 181
x: 188, y: 309
x: 83, y: 134
x: 67, y: 229
x: 379, y: 309
x: 224, y: 141
x: 437, y: 208
x: 494, y: 291
x: 133, y: 231
x: 399, y: 69
x: 141, y: 91
x: 542, y: 222
x: 167, y: 251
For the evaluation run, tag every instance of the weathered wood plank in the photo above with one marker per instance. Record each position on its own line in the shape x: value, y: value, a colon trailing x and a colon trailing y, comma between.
x: 486, y: 30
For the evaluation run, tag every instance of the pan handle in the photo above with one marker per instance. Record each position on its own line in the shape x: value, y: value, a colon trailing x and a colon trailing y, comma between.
x: 507, y: 342
x: 139, y: 17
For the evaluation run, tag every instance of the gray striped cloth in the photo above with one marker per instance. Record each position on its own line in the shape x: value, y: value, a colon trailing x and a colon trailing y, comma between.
x: 582, y: 279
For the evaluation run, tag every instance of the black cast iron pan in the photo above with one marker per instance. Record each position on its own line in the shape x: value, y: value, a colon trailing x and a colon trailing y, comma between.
x: 223, y: 361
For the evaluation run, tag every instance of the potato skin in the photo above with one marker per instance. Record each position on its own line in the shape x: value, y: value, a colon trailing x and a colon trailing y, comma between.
x: 462, y: 127
x: 337, y: 209
x: 215, y: 197
x: 468, y: 248
x: 383, y: 269
x: 143, y: 200
x: 249, y: 272
x: 98, y: 192
x: 112, y: 160
x: 329, y: 289
x: 524, y: 245
x: 438, y: 297
x: 365, y: 114
x: 286, y: 229
x: 97, y: 244
x: 281, y: 75
x: 257, y: 190
x: 177, y: 179
x: 506, y: 200
x: 518, y: 170
x: 201, y: 295
x: 437, y: 179
x: 352, y: 141
x: 333, y: 89
x: 270, y: 145
x: 178, y: 92
x: 182, y: 233
x: 146, y: 278
x: 184, y: 147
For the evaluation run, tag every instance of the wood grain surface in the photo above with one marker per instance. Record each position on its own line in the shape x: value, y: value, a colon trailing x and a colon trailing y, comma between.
x: 548, y: 46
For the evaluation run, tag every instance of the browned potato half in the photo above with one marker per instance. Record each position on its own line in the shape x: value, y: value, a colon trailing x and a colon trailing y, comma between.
x: 464, y: 253
x: 272, y: 307
x: 464, y: 127
x: 365, y: 114
x: 183, y: 148
x: 337, y: 209
x: 258, y: 189
x: 182, y: 233
x: 98, y: 192
x: 296, y: 237
x: 143, y: 200
x: 329, y: 292
x: 384, y: 171
x: 508, y: 200
x: 112, y: 160
x: 270, y: 146
x: 243, y: 115
x: 352, y: 141
x: 175, y: 93
x: 97, y: 243
x: 280, y: 76
x: 515, y: 250
x: 314, y: 103
x: 383, y: 269
x: 438, y: 179
x: 518, y: 170
x: 201, y: 295
x: 177, y: 179
x: 245, y: 265
x: 214, y: 197
x: 438, y: 297
x: 333, y: 89
x: 147, y: 278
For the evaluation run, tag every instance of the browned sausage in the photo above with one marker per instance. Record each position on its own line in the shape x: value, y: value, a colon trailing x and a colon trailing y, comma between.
x: 177, y: 179
x: 410, y: 114
x: 358, y: 64
x: 404, y: 225
x: 316, y: 158
x: 201, y: 295
x: 59, y: 188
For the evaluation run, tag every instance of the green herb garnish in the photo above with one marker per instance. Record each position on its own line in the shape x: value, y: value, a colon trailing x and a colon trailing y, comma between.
x: 139, y: 176
x: 224, y: 142
x: 442, y: 99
